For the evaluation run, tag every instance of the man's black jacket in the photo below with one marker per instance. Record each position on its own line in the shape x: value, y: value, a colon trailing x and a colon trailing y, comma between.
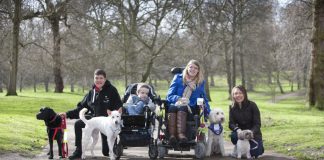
x: 98, y: 102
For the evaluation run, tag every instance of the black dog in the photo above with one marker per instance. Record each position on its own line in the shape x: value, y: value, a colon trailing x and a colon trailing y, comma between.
x: 53, y: 122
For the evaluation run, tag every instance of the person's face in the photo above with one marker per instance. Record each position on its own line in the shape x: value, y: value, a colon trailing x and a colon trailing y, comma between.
x: 238, y: 95
x: 99, y: 80
x: 143, y: 93
x: 193, y: 70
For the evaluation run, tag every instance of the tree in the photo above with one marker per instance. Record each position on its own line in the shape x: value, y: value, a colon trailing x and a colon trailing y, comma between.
x: 147, y: 27
x: 316, y: 81
x: 16, y: 16
x: 54, y: 12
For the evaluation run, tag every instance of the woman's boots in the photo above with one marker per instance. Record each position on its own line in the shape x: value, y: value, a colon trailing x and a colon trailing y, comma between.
x: 172, y: 120
x: 181, y: 126
x: 177, y: 122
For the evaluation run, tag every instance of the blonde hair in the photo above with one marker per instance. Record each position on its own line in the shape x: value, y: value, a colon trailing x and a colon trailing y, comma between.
x: 200, y: 75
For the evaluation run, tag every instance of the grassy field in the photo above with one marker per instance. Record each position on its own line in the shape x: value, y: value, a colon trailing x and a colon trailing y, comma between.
x: 288, y: 126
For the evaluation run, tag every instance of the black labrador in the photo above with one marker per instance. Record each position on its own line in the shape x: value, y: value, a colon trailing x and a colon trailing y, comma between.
x: 53, y: 123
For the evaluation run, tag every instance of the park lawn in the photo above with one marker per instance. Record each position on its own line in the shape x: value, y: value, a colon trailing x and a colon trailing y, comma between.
x: 20, y: 130
x: 288, y: 126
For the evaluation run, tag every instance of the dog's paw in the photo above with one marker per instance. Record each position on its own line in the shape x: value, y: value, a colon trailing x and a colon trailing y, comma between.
x: 234, y: 155
x: 50, y: 157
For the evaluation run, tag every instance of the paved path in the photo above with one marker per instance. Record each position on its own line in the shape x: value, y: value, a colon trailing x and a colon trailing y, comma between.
x: 279, y: 97
x: 142, y: 152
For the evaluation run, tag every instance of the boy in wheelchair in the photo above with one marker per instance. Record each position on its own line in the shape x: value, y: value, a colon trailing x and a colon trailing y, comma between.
x: 136, y: 102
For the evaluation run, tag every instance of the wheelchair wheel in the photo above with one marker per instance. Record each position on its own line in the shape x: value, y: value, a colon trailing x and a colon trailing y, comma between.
x: 153, y: 151
x: 200, y: 150
x: 118, y: 150
x: 162, y: 152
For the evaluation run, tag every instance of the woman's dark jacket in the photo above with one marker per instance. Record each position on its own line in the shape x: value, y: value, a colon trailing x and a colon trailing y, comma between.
x: 98, y: 102
x: 247, y: 117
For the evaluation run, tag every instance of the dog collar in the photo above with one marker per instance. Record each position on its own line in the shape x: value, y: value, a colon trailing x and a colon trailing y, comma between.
x: 216, y: 128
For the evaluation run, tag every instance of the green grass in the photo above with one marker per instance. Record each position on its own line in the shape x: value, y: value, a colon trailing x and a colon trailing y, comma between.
x: 20, y: 130
x: 288, y: 126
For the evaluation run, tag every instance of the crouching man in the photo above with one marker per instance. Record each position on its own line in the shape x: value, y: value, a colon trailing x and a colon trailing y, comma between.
x: 102, y: 97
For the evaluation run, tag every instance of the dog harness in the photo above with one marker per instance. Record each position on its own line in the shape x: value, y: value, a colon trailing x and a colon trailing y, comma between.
x: 62, y: 129
x: 216, y: 128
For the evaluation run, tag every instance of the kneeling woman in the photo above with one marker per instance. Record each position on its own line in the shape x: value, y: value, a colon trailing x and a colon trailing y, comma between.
x: 244, y: 114
x: 182, y: 97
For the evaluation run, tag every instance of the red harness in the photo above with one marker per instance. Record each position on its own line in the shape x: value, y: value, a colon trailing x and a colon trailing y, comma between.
x: 62, y: 129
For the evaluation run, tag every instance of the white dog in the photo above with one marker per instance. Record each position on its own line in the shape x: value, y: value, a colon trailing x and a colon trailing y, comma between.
x: 215, y: 141
x: 243, y: 144
x: 109, y: 126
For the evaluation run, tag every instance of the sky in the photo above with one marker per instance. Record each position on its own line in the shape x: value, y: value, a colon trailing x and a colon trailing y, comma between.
x: 283, y: 3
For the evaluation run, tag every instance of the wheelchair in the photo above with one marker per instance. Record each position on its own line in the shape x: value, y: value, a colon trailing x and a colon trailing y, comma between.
x: 137, y: 130
x: 196, y: 138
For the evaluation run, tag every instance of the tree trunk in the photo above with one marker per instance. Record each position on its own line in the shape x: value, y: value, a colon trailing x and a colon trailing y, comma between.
x: 212, y: 81
x: 316, y: 91
x: 241, y: 46
x: 249, y: 84
x: 20, y: 83
x: 242, y: 66
x: 148, y: 71
x: 228, y: 68
x: 298, y: 82
x: 46, y: 84
x: 206, y: 75
x: 279, y: 83
x: 1, y: 89
x: 233, y: 78
x: 35, y: 84
x: 234, y: 25
x: 305, y: 76
x: 72, y: 87
x: 58, y: 80
x: 15, y: 50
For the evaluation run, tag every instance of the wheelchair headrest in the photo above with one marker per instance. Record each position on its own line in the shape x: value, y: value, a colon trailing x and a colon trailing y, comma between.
x: 177, y: 70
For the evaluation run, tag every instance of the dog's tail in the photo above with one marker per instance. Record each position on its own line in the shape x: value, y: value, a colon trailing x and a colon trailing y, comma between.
x: 81, y: 115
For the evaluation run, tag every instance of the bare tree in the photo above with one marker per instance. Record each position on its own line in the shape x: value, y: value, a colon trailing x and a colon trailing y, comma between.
x: 16, y: 15
x: 316, y: 81
x: 54, y: 12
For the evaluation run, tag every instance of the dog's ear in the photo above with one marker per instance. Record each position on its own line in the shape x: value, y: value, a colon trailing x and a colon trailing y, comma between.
x: 109, y: 112
x: 120, y: 110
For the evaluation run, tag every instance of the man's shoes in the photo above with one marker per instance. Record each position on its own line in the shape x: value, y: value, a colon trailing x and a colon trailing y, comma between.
x: 76, y: 154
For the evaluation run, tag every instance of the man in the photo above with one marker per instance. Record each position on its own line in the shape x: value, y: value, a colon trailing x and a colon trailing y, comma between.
x: 100, y: 98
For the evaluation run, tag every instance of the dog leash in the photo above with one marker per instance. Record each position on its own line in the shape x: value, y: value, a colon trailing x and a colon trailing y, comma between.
x: 256, y: 146
x: 65, y: 153
x: 63, y: 129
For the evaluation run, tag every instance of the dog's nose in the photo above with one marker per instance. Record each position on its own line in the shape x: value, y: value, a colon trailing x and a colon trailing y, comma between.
x: 116, y: 122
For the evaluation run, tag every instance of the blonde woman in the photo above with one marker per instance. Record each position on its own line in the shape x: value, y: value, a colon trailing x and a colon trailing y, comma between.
x: 182, y: 97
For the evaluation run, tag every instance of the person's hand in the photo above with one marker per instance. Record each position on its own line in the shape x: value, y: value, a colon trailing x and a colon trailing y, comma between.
x: 62, y: 114
x: 182, y: 101
x: 145, y: 100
